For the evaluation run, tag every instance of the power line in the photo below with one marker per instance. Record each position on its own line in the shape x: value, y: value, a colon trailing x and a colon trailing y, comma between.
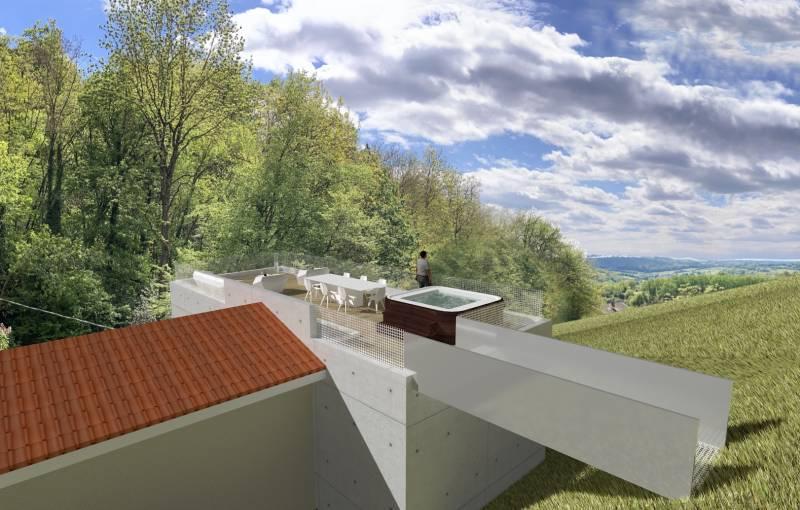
x: 56, y: 314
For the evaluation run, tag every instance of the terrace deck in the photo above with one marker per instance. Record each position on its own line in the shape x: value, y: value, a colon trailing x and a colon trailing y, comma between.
x: 293, y: 289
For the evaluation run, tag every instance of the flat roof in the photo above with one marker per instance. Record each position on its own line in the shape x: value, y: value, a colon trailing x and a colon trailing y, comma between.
x: 63, y: 395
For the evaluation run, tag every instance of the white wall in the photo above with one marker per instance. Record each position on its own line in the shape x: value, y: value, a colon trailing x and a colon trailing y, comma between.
x: 370, y: 419
x: 255, y: 457
x: 701, y: 396
x: 646, y: 445
x: 369, y: 400
x: 348, y: 474
x: 456, y: 460
x: 189, y: 298
x: 293, y: 312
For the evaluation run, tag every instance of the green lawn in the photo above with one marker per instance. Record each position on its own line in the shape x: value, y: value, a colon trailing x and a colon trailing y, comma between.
x: 750, y: 335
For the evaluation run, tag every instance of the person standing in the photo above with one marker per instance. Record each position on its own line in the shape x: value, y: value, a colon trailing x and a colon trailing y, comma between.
x: 423, y: 270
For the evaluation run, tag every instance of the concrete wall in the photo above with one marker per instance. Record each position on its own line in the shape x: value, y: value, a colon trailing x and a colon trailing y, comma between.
x: 360, y: 416
x: 370, y: 419
x: 189, y: 298
x: 383, y: 444
x: 256, y: 457
x: 701, y: 396
x: 458, y: 461
x: 644, y: 444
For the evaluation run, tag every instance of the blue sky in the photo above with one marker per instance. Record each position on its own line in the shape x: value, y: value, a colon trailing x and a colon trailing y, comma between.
x: 658, y: 127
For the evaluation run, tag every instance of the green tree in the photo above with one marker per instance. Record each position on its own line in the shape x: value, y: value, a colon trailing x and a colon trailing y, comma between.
x: 14, y: 202
x: 180, y: 68
x: 548, y: 262
x: 54, y: 273
x: 279, y: 194
x: 5, y: 337
x: 52, y: 63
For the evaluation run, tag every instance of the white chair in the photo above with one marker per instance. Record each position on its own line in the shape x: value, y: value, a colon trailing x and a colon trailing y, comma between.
x: 301, y: 275
x: 311, y: 289
x: 346, y: 275
x: 341, y: 297
x: 325, y: 294
x: 382, y: 281
x: 364, y: 277
x: 377, y: 297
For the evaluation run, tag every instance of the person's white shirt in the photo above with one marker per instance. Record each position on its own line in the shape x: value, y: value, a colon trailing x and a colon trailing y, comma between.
x: 422, y: 267
x: 258, y: 279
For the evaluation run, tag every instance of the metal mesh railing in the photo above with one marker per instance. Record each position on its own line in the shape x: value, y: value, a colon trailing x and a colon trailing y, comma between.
x: 703, y: 459
x: 516, y: 299
x: 377, y: 341
x: 498, y: 314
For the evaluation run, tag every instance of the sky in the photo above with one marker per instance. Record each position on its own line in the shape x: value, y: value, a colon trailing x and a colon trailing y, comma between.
x: 653, y: 127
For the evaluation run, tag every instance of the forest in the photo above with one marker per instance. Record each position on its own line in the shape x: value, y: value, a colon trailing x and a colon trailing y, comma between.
x: 168, y: 150
x: 661, y: 290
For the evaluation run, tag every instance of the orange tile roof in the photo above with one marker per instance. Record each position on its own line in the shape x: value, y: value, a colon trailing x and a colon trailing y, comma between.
x: 63, y: 395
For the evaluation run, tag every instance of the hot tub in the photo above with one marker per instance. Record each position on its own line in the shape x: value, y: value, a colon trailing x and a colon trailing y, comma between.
x: 431, y: 311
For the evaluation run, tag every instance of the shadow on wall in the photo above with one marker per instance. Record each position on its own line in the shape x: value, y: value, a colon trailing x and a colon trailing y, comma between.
x: 345, y: 467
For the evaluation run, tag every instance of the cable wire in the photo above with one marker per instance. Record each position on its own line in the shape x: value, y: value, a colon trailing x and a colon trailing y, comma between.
x: 56, y: 314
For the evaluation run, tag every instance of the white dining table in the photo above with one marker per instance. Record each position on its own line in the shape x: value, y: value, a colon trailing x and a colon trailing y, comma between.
x: 355, y: 287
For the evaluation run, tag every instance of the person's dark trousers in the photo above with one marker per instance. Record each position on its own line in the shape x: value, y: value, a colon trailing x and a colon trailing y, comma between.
x: 423, y: 281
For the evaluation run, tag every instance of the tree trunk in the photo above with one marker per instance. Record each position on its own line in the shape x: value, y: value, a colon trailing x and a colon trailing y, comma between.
x: 165, y: 196
x: 165, y: 255
x: 55, y: 198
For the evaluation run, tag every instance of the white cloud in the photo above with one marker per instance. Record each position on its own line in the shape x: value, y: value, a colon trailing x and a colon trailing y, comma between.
x: 751, y: 225
x: 456, y: 71
x: 3, y: 31
x: 758, y: 32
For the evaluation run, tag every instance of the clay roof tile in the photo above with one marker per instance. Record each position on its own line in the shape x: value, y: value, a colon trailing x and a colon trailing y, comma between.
x: 67, y: 394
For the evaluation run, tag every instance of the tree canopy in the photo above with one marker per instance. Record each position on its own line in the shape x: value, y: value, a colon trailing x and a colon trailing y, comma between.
x: 169, y: 150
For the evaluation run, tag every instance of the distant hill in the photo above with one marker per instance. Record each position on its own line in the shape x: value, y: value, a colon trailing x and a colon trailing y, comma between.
x: 659, y: 267
x: 750, y: 335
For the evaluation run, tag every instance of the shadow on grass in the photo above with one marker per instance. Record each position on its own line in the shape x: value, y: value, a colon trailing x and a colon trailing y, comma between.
x: 721, y: 476
x: 562, y: 474
x: 742, y: 431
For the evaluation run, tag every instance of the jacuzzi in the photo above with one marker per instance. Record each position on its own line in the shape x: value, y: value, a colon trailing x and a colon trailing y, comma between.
x: 431, y: 311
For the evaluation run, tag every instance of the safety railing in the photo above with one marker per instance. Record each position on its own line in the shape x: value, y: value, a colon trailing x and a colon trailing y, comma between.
x: 374, y: 340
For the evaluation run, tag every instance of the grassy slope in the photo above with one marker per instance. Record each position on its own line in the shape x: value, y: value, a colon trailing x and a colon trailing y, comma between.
x: 750, y: 335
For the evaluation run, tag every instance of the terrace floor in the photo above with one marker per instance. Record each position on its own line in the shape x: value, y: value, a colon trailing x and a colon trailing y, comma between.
x: 295, y: 290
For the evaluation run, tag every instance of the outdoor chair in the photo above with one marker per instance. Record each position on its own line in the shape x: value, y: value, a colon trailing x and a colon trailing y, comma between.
x: 311, y: 288
x: 364, y: 277
x: 327, y: 293
x: 382, y: 281
x: 377, y: 297
x: 346, y: 275
x: 301, y: 275
x: 343, y: 299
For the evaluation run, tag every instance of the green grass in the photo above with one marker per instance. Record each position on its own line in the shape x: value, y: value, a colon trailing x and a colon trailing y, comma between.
x: 750, y: 335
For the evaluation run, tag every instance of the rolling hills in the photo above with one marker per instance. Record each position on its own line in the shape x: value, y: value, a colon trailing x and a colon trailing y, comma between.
x: 612, y: 268
x: 750, y: 335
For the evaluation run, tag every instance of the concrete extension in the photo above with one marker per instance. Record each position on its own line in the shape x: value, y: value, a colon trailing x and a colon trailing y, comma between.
x: 378, y: 441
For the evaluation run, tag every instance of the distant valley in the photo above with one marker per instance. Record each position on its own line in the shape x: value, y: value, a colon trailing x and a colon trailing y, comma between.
x: 642, y: 268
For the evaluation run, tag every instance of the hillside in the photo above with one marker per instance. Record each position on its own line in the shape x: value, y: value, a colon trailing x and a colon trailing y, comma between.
x: 749, y: 335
